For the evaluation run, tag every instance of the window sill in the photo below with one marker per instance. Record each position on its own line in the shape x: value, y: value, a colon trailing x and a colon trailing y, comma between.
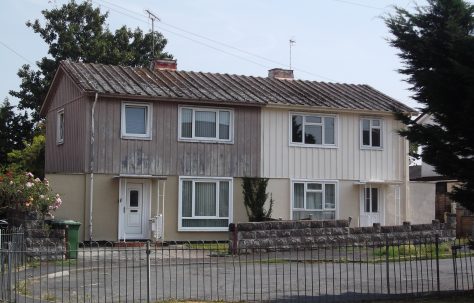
x: 202, y: 229
x: 59, y: 142
x: 130, y: 137
x: 205, y: 141
x: 313, y: 146
x: 371, y: 148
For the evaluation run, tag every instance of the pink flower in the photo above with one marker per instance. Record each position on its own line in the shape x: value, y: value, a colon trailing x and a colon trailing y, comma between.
x: 41, y: 196
x: 37, y: 180
x: 30, y: 175
x: 29, y: 184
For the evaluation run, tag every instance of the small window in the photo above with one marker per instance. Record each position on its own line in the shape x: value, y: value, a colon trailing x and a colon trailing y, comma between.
x: 204, y: 124
x: 315, y: 130
x: 60, y: 127
x: 316, y: 200
x: 205, y: 204
x: 136, y: 120
x: 371, y: 199
x: 371, y: 133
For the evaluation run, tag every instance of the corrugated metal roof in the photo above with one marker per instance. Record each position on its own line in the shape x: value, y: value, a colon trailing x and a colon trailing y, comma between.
x: 214, y: 87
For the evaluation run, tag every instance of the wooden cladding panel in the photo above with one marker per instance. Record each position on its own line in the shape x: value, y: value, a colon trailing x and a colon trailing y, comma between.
x: 165, y: 155
x: 70, y: 156
x: 346, y: 162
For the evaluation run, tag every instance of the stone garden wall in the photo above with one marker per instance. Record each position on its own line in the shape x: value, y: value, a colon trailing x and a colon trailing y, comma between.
x: 273, y: 235
x: 42, y: 239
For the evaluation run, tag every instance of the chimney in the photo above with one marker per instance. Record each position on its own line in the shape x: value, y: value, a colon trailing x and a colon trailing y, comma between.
x: 281, y: 74
x: 163, y: 64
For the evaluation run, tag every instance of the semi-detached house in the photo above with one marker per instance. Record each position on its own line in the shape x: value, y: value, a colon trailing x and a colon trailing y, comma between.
x: 139, y: 151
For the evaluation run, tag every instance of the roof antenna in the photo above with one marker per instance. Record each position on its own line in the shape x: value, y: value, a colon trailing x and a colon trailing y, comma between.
x: 292, y: 41
x: 152, y: 18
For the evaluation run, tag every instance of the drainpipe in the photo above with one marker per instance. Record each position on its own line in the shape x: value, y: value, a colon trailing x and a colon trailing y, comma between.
x: 91, y: 167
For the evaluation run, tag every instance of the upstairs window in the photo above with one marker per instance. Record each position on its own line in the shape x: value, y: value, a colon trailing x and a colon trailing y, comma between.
x: 371, y: 133
x: 136, y: 120
x: 313, y: 130
x: 316, y: 200
x: 204, y: 124
x: 60, y: 127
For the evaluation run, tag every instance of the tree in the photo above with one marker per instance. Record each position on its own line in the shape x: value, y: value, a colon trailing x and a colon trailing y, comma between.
x: 255, y: 196
x: 14, y: 128
x: 436, y: 45
x: 78, y: 32
x: 30, y: 158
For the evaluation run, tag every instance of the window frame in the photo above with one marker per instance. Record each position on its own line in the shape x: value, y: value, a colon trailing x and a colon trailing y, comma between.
x: 323, y: 182
x: 361, y: 133
x: 302, y: 144
x: 149, y: 122
x: 216, y: 139
x: 206, y: 180
x: 59, y: 114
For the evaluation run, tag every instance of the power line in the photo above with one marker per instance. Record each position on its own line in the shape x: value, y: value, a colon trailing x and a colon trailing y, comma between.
x: 16, y: 53
x: 210, y: 40
x: 358, y: 4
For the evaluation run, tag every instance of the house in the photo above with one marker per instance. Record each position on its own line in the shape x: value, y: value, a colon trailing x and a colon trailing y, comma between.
x: 139, y: 152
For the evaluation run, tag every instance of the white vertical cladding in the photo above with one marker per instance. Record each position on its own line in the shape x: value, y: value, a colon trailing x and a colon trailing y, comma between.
x: 345, y: 162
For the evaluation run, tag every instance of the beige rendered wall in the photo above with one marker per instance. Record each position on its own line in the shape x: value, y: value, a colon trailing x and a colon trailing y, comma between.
x: 421, y: 208
x: 72, y: 188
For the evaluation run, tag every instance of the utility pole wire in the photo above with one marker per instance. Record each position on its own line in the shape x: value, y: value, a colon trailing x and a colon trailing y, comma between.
x: 16, y: 53
x: 152, y: 17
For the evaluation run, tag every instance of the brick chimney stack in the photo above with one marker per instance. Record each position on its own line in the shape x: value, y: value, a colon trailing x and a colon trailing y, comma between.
x: 281, y: 74
x: 164, y: 64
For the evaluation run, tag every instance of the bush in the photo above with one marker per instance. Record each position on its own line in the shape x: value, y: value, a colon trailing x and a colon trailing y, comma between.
x: 24, y: 193
x: 255, y: 196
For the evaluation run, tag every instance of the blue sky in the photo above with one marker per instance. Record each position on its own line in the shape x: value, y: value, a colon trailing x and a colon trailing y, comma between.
x: 336, y: 40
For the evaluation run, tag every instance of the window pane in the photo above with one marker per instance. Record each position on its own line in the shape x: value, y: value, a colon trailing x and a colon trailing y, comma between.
x: 223, y: 199
x: 298, y: 192
x: 205, y: 124
x: 186, y: 123
x: 314, y: 200
x: 205, y: 223
x: 186, y: 199
x: 375, y: 122
x: 330, y: 196
x: 313, y: 134
x: 315, y: 186
x: 365, y: 132
x: 367, y: 200
x: 205, y: 199
x: 313, y: 119
x: 376, y: 137
x: 297, y: 129
x: 133, y: 198
x: 328, y: 130
x: 135, y: 119
x: 224, y: 125
x: 375, y: 200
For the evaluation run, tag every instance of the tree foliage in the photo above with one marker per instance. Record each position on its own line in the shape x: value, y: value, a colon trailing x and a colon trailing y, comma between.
x: 436, y: 44
x: 14, y: 128
x: 30, y: 158
x: 79, y: 32
x: 255, y: 197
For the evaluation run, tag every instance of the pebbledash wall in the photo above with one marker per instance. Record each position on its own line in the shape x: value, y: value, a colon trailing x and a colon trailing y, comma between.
x: 298, y: 234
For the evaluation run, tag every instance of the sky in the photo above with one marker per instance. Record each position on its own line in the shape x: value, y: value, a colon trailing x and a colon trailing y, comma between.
x: 336, y: 40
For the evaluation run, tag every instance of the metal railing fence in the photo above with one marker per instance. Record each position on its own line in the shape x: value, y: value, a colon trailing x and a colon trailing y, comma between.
x: 333, y: 271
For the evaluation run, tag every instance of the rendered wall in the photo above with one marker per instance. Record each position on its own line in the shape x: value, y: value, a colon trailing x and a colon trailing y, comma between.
x: 422, y: 202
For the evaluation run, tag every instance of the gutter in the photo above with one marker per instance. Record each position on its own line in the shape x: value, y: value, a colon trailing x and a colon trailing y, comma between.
x: 91, y: 167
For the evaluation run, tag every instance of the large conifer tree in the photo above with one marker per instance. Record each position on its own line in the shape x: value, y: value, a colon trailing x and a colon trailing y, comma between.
x: 436, y: 44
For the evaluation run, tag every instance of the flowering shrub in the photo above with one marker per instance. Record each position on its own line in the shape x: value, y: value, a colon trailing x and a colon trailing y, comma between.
x: 24, y: 192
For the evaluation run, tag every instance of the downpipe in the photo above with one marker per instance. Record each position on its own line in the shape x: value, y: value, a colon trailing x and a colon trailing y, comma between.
x: 91, y: 167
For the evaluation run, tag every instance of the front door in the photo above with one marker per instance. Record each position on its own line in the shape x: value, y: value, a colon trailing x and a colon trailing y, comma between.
x: 134, y: 207
x: 371, y: 206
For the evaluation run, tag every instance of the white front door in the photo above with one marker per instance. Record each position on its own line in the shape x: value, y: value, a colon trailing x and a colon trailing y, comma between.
x: 371, y: 206
x: 134, y: 204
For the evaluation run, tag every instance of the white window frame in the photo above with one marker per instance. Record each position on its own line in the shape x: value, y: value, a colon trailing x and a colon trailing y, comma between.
x: 204, y: 179
x: 149, y: 122
x: 371, y: 126
x: 323, y: 182
x: 59, y: 121
x: 322, y: 116
x: 206, y: 139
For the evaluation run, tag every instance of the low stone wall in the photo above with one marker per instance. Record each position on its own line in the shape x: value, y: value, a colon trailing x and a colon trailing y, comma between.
x: 44, y: 242
x: 274, y: 235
